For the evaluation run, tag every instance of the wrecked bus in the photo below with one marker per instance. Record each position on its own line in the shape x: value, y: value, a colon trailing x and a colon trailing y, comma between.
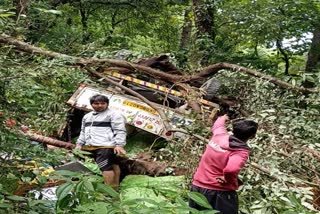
x: 138, y: 114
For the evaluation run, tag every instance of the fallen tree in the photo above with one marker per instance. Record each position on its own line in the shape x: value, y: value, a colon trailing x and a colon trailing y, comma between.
x: 128, y: 165
x: 206, y: 72
x: 170, y: 74
x: 143, y: 165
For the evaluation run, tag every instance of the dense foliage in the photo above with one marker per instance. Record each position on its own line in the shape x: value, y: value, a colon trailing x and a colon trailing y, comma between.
x: 273, y: 37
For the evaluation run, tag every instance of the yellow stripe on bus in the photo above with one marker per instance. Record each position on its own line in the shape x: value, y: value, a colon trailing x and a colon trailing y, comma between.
x: 140, y: 107
x: 154, y: 86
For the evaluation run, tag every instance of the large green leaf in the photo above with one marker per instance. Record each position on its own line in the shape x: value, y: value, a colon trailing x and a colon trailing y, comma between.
x: 199, y: 199
x: 16, y: 198
x: 63, y: 190
x: 107, y: 190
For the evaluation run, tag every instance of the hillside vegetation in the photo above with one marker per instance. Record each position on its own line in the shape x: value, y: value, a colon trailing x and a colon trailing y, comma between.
x: 280, y: 40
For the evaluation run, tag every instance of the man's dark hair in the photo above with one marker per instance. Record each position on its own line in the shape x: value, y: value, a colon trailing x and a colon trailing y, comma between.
x: 99, y: 98
x: 244, y: 129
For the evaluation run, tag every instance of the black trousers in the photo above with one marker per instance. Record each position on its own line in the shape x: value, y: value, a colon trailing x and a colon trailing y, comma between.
x: 224, y: 201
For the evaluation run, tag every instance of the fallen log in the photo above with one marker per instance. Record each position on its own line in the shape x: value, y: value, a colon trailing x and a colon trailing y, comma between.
x: 208, y: 71
x: 128, y: 165
x: 49, y: 141
x: 154, y: 168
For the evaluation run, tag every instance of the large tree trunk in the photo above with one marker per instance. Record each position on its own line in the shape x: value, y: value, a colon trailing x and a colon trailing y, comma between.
x: 285, y: 56
x: 84, y: 22
x: 313, y: 61
x: 203, y: 11
x: 204, y: 17
x: 186, y: 30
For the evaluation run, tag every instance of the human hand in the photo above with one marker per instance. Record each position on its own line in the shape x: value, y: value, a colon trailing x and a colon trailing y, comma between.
x: 221, y: 180
x: 78, y: 147
x: 226, y: 117
x: 119, y: 150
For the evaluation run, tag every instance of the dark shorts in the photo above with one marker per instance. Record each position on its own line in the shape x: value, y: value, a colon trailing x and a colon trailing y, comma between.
x: 224, y: 201
x: 105, y: 158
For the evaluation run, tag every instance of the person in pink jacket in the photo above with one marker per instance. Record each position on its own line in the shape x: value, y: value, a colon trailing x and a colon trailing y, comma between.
x: 217, y: 174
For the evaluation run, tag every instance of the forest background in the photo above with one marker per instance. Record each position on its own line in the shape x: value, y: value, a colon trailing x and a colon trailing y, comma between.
x: 277, y: 38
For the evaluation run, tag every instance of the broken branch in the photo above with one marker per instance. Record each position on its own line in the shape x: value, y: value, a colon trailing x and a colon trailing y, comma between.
x: 131, y: 166
x: 267, y: 171
x: 208, y: 71
x: 48, y: 140
x: 213, y: 69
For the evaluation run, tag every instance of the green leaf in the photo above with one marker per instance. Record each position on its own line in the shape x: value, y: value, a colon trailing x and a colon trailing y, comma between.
x: 57, y: 12
x: 37, y: 202
x: 93, y: 167
x: 129, y: 202
x: 68, y: 173
x: 88, y: 185
x: 180, y: 201
x: 81, y: 153
x: 147, y: 200
x: 199, y: 199
x: 95, y: 207
x: 63, y: 190
x: 15, y: 198
x: 107, y: 189
x: 7, y: 14
x: 65, y: 202
x: 79, y: 187
x: 5, y: 205
x: 26, y: 179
